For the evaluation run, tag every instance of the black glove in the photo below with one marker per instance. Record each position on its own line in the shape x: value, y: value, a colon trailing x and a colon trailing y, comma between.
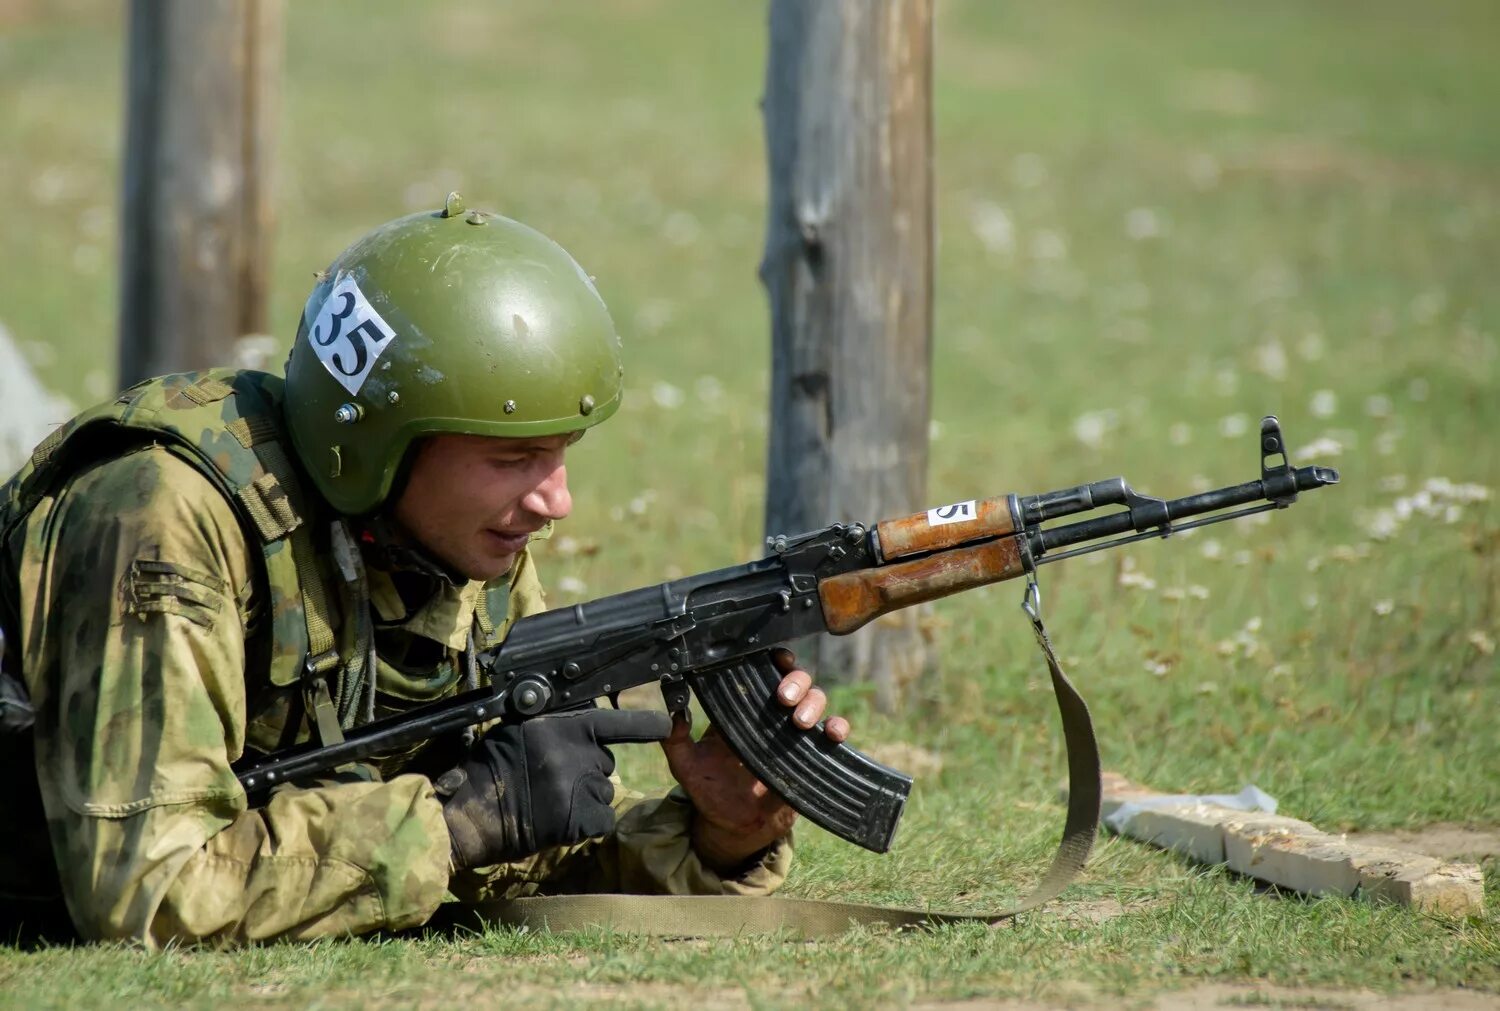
x: 526, y: 787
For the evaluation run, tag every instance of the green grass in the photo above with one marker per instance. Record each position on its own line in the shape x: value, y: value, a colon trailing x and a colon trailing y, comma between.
x: 1156, y: 222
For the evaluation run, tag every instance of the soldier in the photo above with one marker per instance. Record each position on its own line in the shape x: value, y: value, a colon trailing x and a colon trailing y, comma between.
x: 223, y: 563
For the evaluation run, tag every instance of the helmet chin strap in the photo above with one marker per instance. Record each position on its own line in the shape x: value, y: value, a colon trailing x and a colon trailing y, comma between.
x: 387, y: 545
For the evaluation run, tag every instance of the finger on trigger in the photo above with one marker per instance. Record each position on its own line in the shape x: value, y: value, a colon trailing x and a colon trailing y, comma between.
x: 811, y: 709
x: 793, y: 687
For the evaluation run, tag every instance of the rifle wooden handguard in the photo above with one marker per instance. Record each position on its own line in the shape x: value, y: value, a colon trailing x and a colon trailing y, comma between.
x: 856, y: 598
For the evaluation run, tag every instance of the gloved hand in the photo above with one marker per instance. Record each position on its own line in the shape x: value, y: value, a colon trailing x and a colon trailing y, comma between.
x: 526, y: 787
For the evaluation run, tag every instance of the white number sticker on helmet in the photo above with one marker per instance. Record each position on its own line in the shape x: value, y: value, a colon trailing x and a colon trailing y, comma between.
x: 349, y: 335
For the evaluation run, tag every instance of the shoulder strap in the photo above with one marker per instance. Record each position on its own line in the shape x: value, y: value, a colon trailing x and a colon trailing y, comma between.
x: 227, y: 424
x: 730, y: 916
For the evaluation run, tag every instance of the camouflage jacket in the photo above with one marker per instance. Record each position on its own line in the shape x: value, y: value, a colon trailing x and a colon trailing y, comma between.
x: 149, y: 611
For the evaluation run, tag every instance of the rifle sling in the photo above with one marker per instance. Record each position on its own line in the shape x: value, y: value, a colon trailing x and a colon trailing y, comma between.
x: 731, y: 916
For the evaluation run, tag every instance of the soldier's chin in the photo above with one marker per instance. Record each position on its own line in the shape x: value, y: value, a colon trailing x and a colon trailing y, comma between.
x: 488, y: 565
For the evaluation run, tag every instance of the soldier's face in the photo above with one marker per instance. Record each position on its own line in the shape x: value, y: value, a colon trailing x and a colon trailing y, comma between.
x: 473, y: 501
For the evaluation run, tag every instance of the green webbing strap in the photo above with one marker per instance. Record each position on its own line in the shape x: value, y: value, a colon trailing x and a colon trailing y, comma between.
x: 729, y: 916
x: 322, y: 651
x: 269, y: 502
x: 482, y: 617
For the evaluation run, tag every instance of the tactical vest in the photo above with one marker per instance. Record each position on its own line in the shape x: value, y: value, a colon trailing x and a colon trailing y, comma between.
x: 228, y: 424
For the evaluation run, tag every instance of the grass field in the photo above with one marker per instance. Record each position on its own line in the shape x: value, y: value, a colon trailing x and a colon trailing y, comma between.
x: 1157, y: 222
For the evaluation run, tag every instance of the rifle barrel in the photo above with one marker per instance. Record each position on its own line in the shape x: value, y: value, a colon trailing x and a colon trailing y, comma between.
x: 1160, y: 515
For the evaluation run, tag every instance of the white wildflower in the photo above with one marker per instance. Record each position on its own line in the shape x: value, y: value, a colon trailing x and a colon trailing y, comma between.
x: 566, y: 546
x: 1130, y: 576
x: 572, y: 586
x: 934, y: 430
x: 1049, y: 245
x: 1310, y: 601
x: 1179, y: 434
x: 1382, y: 524
x: 1173, y: 593
x: 667, y: 396
x: 1427, y: 306
x: 1157, y: 667
x: 97, y: 384
x: 993, y: 227
x: 653, y: 315
x: 1144, y: 223
x: 1272, y: 282
x: 1198, y: 592
x: 1384, y: 607
x: 1482, y: 641
x: 1320, y: 449
x: 1232, y: 426
x: 1452, y: 513
x: 1253, y: 624
x: 1240, y: 558
x: 1212, y: 550
x: 1270, y: 360
x: 709, y: 390
x: 681, y: 229
x: 642, y: 503
x: 1206, y: 687
x: 1281, y: 670
x: 1379, y: 406
x: 1444, y: 488
x: 1028, y: 170
x: 1324, y: 404
x: 1203, y: 170
x: 1311, y: 346
x: 94, y: 221
x: 1091, y: 427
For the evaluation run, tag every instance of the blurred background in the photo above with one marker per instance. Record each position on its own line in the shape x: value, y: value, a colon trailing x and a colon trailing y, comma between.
x: 1155, y: 223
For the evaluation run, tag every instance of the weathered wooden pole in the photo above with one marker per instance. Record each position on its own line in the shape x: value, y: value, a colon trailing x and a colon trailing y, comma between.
x: 848, y: 271
x: 204, y: 84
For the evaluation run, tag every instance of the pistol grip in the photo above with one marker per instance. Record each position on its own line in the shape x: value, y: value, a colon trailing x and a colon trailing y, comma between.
x: 832, y: 785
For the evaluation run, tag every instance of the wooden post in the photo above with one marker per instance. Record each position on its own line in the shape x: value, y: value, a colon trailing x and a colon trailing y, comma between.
x: 204, y: 81
x: 848, y: 272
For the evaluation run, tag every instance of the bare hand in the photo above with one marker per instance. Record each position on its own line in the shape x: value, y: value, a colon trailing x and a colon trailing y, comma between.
x: 737, y: 814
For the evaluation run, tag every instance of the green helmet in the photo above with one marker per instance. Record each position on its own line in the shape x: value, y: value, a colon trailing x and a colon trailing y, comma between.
x: 443, y: 321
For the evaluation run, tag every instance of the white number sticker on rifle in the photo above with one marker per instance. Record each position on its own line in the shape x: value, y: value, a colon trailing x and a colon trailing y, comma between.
x: 349, y: 335
x: 958, y: 512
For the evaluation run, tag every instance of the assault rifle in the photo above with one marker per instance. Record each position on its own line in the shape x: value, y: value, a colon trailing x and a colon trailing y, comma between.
x: 711, y: 634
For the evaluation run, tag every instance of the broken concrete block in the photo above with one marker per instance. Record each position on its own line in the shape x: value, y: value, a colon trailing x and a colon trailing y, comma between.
x: 1194, y: 830
x: 1117, y: 791
x: 1422, y: 882
x: 1311, y: 864
x: 1293, y: 854
x: 1246, y: 832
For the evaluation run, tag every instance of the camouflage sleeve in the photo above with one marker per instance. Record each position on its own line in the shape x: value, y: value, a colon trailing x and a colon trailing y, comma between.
x: 649, y: 853
x: 135, y: 658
